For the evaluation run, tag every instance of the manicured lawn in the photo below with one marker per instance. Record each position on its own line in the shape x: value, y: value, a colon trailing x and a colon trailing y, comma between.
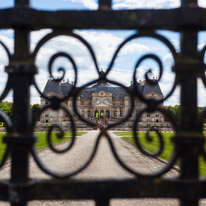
x: 2, y: 145
x: 154, y: 145
x: 42, y: 140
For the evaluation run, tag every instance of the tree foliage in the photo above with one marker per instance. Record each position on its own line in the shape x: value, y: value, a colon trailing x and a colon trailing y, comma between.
x: 7, y: 107
x: 175, y: 111
x: 35, y: 108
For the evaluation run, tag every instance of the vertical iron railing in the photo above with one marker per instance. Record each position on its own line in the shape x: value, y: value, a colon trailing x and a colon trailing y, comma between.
x: 189, y: 66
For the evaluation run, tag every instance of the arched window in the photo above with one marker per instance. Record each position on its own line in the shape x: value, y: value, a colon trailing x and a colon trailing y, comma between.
x: 108, y: 114
x: 96, y: 114
x: 89, y: 113
x: 121, y: 113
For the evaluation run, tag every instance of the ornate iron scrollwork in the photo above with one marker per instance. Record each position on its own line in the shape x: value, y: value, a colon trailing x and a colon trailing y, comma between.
x: 188, y: 138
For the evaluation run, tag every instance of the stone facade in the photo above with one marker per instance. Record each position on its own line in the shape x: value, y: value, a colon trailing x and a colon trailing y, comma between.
x: 102, y: 101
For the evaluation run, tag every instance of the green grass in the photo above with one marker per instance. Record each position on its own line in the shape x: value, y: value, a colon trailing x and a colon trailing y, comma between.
x: 154, y: 145
x: 2, y: 145
x: 41, y: 140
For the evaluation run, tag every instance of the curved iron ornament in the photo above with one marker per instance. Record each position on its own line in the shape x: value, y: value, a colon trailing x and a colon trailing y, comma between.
x: 8, y: 82
x: 8, y: 125
x: 152, y: 105
x: 201, y: 118
x: 201, y: 59
x: 149, y: 139
x: 3, y: 115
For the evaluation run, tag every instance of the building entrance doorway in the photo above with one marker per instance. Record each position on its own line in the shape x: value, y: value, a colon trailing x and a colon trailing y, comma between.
x: 96, y: 114
x: 102, y: 113
x: 108, y: 114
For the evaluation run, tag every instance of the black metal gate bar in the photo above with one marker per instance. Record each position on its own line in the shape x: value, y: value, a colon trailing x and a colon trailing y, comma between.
x: 173, y: 19
x: 189, y: 151
x: 189, y: 19
x: 21, y: 82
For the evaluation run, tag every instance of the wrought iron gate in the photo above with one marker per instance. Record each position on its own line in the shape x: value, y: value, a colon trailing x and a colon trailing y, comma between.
x: 189, y: 140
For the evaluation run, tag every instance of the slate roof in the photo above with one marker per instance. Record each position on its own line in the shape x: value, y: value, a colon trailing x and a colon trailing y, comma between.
x: 151, y: 88
x: 118, y: 92
x: 54, y: 87
x: 65, y: 88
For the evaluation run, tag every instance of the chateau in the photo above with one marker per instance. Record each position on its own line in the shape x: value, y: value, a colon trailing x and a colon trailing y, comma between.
x: 103, y: 101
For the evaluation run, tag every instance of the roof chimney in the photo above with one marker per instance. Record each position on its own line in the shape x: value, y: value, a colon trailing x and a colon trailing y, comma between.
x: 131, y: 82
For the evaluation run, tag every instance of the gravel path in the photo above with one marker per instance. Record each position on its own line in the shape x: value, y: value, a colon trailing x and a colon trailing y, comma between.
x: 103, y: 166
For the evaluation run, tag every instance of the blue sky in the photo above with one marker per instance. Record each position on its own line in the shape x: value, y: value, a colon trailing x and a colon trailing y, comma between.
x: 104, y: 44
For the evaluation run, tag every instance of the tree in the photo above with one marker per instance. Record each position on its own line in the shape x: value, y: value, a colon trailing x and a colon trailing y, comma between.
x: 35, y: 108
x: 7, y: 107
x: 174, y: 111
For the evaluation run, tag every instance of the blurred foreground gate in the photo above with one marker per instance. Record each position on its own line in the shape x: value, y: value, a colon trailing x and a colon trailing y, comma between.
x: 189, y: 19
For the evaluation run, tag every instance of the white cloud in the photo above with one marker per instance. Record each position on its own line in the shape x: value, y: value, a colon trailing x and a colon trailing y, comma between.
x: 8, y: 42
x: 133, y: 4
x: 200, y: 46
x: 90, y: 4
x: 4, y: 60
x: 202, y: 3
x: 104, y: 45
x: 36, y: 36
x: 201, y: 94
x: 168, y: 59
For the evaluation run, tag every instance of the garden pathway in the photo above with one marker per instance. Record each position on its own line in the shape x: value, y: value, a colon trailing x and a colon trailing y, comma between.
x: 103, y: 166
